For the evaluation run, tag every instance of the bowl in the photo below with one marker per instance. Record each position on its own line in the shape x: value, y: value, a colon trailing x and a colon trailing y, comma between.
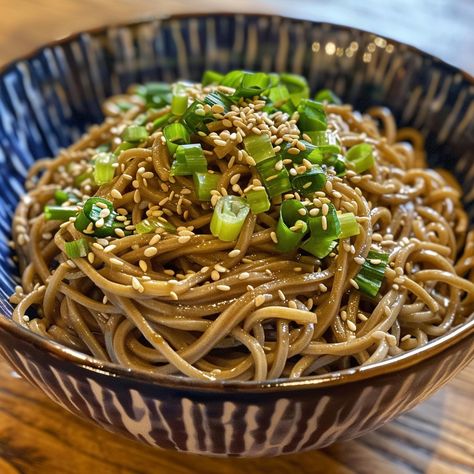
x: 49, y: 98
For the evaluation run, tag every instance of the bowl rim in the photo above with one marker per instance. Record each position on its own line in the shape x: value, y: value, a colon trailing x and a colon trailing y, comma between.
x: 89, y: 363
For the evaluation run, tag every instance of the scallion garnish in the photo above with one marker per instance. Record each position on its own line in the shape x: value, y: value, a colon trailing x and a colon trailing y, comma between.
x: 211, y: 77
x: 150, y: 224
x: 60, y: 196
x: 204, y: 183
x: 93, y: 213
x: 219, y: 99
x: 179, y: 100
x: 156, y: 94
x: 122, y: 147
x: 59, y: 213
x: 370, y: 277
x: 361, y: 157
x: 76, y: 248
x: 327, y: 95
x: 349, y: 225
x: 104, y: 167
x: 252, y: 84
x: 259, y: 147
x: 309, y: 182
x: 324, y: 230
x: 258, y: 200
x: 232, y: 79
x: 291, y: 226
x: 175, y: 134
x: 189, y: 159
x: 229, y: 217
x: 196, y: 118
x: 135, y: 134
x: 162, y: 120
x: 296, y: 85
x: 325, y: 141
x: 312, y: 116
x: 277, y: 182
x: 279, y: 95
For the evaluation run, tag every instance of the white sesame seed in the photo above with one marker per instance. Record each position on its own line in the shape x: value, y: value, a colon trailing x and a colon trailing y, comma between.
x: 116, y: 261
x: 244, y: 275
x: 274, y: 237
x: 174, y: 295
x: 223, y: 287
x: 184, y: 239
x: 150, y: 252
x: 234, y: 253
x: 116, y: 194
x: 110, y: 248
x: 215, y: 275
x: 351, y: 326
x: 323, y: 288
x: 281, y: 295
x: 354, y: 283
x: 259, y: 300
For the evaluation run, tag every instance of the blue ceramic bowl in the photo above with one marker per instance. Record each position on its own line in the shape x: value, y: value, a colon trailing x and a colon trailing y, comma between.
x: 49, y: 98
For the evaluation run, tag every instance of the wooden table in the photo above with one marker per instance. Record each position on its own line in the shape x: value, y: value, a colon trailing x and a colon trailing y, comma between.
x: 437, y: 437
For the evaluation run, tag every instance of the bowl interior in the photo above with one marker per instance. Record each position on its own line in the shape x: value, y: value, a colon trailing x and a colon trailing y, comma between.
x: 49, y: 98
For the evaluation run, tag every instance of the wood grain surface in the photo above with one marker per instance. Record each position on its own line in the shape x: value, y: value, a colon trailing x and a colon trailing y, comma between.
x: 437, y: 437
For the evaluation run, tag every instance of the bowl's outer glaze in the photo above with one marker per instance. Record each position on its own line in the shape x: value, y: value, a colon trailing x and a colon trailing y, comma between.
x: 48, y: 99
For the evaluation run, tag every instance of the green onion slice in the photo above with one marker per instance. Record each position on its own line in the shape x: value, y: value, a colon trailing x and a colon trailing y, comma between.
x: 179, y: 100
x: 229, y: 217
x: 371, y: 274
x: 258, y: 200
x: 309, y: 182
x: 91, y: 213
x: 327, y: 95
x: 361, y: 157
x: 76, y: 248
x: 349, y: 225
x: 276, y: 182
x: 312, y: 116
x: 135, y: 134
x: 59, y: 213
x: 104, y: 169
x: 252, y: 84
x: 150, y: 224
x: 291, y: 226
x: 233, y: 79
x: 325, y: 141
x: 204, y: 183
x: 123, y: 147
x: 175, y: 134
x: 189, y: 159
x: 259, y: 147
x: 296, y: 85
x: 279, y: 95
x: 211, y: 77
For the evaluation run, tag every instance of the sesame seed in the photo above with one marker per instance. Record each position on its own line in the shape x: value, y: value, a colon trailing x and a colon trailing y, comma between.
x: 351, y: 326
x: 337, y: 194
x: 220, y: 268
x: 223, y: 287
x: 155, y: 239
x: 375, y: 261
x: 293, y: 151
x: 235, y: 179
x: 150, y: 252
x: 137, y: 285
x: 329, y: 186
x: 281, y: 295
x: 314, y: 212
x: 215, y: 275
x: 116, y: 194
x: 259, y: 300
x: 324, y: 223
x: 116, y: 261
x: 110, y: 248
x: 244, y: 275
x: 184, y: 239
x: 274, y: 237
x: 292, y: 304
x: 119, y: 232
x: 354, y: 283
x: 234, y: 253
x: 378, y: 335
x: 323, y: 288
x: 143, y: 265
x: 219, y: 142
x: 362, y: 317
x: 359, y: 260
x: 173, y: 295
x: 90, y: 257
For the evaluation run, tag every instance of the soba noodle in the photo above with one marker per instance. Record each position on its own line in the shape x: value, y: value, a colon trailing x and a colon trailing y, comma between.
x: 189, y: 303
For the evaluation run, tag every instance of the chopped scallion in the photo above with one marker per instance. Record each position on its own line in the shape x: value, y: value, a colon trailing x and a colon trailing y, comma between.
x: 309, y: 182
x: 59, y: 213
x: 189, y: 159
x: 258, y: 200
x: 312, y: 116
x: 175, y: 134
x: 229, y: 217
x: 150, y: 224
x: 135, y: 134
x: 370, y: 277
x: 325, y: 141
x: 104, y: 167
x: 327, y: 95
x: 204, y: 183
x: 211, y: 77
x: 277, y: 182
x: 179, y: 100
x: 259, y: 147
x: 361, y: 157
x: 349, y: 225
x: 291, y: 226
x: 76, y: 248
x: 252, y: 84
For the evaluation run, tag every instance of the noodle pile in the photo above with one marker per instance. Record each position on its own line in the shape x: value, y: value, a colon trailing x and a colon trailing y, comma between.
x: 188, y: 303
